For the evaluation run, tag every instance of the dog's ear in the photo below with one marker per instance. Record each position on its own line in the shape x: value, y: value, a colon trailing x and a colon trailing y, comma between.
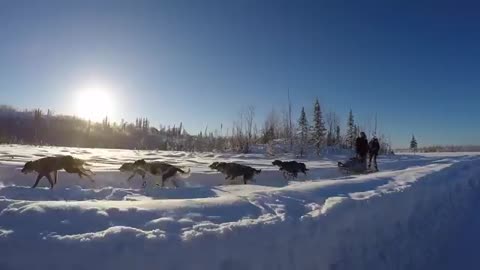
x: 124, y: 166
x: 140, y: 162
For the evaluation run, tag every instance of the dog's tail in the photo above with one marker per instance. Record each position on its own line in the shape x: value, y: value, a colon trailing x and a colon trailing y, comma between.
x: 184, y: 174
x: 79, y: 162
x: 303, y: 167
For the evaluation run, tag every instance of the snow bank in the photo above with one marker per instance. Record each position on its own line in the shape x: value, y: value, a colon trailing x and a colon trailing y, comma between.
x: 400, y: 218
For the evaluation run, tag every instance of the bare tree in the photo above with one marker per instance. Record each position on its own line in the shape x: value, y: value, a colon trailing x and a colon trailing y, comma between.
x: 332, y: 121
x: 285, y: 125
x: 249, y: 116
x: 290, y: 126
x: 271, y: 127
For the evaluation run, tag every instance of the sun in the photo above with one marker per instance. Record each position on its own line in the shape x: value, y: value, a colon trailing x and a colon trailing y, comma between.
x: 94, y: 103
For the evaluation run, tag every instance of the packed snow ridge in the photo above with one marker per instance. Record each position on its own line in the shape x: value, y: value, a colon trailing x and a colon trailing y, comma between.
x: 403, y: 217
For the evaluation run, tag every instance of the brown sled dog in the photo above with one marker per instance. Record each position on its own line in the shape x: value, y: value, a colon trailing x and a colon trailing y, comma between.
x: 47, y: 165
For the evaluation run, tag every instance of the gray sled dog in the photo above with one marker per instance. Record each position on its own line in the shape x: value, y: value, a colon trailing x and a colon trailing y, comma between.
x: 45, y: 166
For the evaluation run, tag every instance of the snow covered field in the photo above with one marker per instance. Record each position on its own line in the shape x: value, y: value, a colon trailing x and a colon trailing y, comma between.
x: 404, y: 217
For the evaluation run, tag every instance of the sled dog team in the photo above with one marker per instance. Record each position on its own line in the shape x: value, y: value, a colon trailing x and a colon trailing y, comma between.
x: 290, y: 169
x: 44, y: 167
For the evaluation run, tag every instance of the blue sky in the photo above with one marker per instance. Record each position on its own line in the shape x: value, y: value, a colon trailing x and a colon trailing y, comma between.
x: 415, y: 64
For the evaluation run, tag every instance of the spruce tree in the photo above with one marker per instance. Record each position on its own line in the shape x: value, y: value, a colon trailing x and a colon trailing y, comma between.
x: 318, y: 129
x: 413, y: 144
x: 303, y: 131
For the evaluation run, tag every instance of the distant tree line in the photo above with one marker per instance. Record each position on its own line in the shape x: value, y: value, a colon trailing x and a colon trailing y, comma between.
x: 302, y: 136
x: 449, y: 148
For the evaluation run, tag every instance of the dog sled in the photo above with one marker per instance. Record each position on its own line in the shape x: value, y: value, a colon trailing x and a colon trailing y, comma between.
x: 355, y: 166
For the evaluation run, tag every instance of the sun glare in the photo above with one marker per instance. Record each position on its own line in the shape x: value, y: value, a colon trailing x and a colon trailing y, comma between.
x: 94, y: 103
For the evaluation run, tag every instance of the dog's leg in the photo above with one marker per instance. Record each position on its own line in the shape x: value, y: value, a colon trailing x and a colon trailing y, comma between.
x: 157, y: 179
x: 174, y: 182
x: 55, y: 175
x: 80, y: 173
x: 73, y: 170
x: 38, y: 180
x: 90, y: 172
x: 164, y: 179
x: 131, y: 176
x: 49, y: 178
x: 163, y: 183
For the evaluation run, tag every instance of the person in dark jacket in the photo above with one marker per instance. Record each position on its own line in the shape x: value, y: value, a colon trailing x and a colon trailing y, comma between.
x: 361, y: 147
x: 374, y: 148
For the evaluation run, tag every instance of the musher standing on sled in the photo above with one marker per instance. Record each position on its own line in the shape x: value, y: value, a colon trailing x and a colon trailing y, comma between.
x: 374, y: 148
x: 361, y: 148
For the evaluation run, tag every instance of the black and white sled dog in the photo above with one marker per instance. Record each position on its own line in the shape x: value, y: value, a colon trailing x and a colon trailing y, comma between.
x: 129, y: 167
x: 156, y: 168
x: 290, y: 169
